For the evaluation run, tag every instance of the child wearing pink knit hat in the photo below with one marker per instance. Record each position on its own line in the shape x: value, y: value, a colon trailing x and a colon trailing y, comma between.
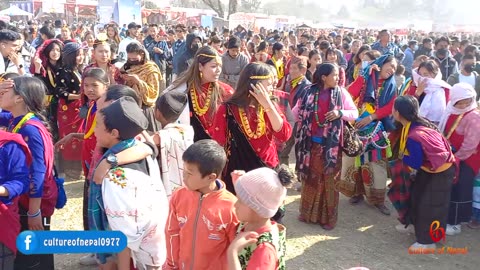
x: 260, y: 242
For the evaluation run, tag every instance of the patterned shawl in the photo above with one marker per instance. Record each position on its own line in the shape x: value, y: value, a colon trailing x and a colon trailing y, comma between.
x: 333, y: 129
x: 382, y: 98
x: 149, y: 86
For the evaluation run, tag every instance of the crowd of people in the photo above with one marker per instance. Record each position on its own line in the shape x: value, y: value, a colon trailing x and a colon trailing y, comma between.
x: 184, y: 136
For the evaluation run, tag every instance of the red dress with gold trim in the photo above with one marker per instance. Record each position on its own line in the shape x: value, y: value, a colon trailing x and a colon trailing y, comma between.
x: 69, y: 121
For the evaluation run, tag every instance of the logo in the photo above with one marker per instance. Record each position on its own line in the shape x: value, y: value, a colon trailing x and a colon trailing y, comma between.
x: 27, y: 242
x: 437, y: 233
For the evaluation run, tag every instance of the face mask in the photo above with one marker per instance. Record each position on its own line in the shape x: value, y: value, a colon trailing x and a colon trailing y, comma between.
x: 468, y: 68
x: 133, y: 63
x: 415, y: 48
x: 442, y: 52
x: 365, y: 64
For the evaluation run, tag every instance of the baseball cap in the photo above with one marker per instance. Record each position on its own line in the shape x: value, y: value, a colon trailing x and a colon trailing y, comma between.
x: 134, y: 25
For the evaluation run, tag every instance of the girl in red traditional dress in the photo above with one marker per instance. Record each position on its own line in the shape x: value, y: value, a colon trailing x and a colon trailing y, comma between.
x: 249, y: 124
x: 102, y: 57
x: 205, y: 92
x: 460, y: 125
x: 68, y: 91
x: 94, y: 83
x: 45, y: 66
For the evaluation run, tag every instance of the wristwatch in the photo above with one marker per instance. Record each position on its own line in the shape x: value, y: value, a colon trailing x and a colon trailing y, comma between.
x: 20, y: 66
x: 112, y: 160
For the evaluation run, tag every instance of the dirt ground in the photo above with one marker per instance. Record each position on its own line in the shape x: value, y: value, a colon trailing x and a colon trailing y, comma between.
x: 363, y: 237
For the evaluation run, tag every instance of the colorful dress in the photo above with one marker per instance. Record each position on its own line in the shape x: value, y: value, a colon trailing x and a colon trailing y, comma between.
x: 199, y: 113
x: 42, y: 182
x: 88, y: 148
x: 68, y: 113
x: 319, y: 156
x: 462, y: 133
x: 275, y: 236
x: 367, y: 173
x: 428, y: 152
x: 248, y: 138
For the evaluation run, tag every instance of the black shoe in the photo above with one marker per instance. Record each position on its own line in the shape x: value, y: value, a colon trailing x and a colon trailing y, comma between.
x: 356, y: 199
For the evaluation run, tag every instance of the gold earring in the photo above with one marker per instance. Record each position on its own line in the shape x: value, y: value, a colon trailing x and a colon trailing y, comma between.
x: 201, y: 74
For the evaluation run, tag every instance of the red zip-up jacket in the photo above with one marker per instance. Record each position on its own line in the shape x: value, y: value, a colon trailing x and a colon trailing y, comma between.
x: 199, y: 229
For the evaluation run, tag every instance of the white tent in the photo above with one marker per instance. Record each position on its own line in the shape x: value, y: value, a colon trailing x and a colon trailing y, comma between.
x: 15, y: 11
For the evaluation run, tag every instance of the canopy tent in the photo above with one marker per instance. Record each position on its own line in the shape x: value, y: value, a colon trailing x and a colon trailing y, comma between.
x: 15, y: 11
x: 304, y: 27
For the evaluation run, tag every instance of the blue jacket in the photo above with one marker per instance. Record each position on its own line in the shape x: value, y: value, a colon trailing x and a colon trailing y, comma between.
x: 13, y: 171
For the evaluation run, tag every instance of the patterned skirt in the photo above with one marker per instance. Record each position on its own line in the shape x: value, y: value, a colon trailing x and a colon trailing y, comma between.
x: 319, y: 199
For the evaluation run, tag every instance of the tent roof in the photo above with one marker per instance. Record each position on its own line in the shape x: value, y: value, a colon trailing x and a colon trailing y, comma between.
x: 15, y: 11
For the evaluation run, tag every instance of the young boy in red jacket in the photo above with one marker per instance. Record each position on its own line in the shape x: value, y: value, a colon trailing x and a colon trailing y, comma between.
x: 202, y: 219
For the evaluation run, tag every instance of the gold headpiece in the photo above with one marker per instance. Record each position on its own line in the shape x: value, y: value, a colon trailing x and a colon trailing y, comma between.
x: 102, y: 38
x: 207, y: 55
x: 261, y: 77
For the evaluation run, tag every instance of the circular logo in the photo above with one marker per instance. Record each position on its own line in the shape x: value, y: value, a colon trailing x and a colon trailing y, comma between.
x: 27, y: 242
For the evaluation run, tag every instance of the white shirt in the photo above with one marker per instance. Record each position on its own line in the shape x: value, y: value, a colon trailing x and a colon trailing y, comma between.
x: 467, y: 79
x: 136, y: 204
x: 174, y: 140
x: 122, y: 48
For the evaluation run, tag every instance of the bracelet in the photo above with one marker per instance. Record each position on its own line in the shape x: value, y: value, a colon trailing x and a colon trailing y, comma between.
x: 34, y: 215
x: 340, y: 113
x: 371, y: 118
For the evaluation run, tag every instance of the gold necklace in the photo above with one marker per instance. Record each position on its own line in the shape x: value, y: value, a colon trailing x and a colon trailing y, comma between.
x: 261, y: 127
x: 200, y: 111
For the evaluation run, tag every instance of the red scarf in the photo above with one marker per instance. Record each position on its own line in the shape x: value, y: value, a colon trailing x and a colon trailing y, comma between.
x: 9, y: 218
x: 50, y: 192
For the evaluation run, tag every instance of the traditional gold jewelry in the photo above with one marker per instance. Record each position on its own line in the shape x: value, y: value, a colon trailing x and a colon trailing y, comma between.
x: 207, y: 55
x: 261, y: 77
x: 200, y: 111
x: 261, y: 126
x: 201, y: 74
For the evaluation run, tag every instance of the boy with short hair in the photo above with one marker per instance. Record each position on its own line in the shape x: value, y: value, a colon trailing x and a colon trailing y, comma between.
x: 173, y: 139
x: 202, y: 219
x: 134, y: 199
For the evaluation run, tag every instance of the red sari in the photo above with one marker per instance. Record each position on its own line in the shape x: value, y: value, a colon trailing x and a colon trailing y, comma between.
x: 69, y: 121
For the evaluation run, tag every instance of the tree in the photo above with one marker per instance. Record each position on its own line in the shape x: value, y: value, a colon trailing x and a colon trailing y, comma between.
x: 343, y: 13
x: 250, y: 5
x: 218, y: 7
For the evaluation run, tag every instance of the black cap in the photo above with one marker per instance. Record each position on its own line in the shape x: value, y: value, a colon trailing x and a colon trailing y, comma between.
x: 125, y: 116
x: 134, y: 25
x: 171, y: 104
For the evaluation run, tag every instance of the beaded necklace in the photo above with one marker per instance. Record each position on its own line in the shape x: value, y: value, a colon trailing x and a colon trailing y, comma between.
x: 261, y: 127
x: 200, y: 111
x: 24, y: 119
x: 317, y: 119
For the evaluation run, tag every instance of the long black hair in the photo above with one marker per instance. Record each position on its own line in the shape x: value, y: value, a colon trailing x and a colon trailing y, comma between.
x: 241, y: 97
x: 324, y: 69
x: 33, y: 92
x: 408, y: 108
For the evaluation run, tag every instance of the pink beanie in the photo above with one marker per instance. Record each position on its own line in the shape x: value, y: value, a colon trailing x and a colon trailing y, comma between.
x: 262, y: 191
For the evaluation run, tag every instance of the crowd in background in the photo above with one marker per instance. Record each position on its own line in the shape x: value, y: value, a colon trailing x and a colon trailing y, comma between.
x: 220, y: 111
